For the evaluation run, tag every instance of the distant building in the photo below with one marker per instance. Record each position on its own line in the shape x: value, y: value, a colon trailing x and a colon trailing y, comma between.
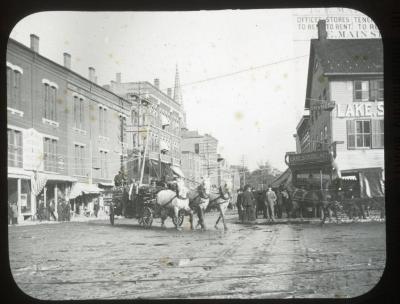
x: 155, y: 125
x: 206, y: 147
x: 65, y: 132
x: 192, y: 167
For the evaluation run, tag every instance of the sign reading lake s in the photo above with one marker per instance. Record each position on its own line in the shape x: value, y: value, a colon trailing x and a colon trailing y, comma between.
x: 360, y: 109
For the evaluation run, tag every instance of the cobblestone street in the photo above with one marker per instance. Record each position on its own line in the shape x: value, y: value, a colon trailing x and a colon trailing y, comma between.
x: 96, y: 260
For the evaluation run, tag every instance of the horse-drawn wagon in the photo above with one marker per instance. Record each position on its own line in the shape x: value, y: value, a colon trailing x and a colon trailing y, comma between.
x: 141, y: 205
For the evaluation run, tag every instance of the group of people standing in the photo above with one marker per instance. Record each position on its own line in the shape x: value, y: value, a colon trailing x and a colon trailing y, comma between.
x: 247, y: 204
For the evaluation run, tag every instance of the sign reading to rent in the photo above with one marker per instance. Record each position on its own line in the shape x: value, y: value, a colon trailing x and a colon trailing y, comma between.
x: 33, y: 150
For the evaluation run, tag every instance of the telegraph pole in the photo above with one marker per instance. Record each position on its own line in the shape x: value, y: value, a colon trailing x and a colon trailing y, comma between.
x: 243, y: 171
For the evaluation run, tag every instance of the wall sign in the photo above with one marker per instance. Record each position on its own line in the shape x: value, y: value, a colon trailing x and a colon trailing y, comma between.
x: 360, y: 109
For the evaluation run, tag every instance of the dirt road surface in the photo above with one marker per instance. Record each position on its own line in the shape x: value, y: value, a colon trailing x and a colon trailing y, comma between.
x: 95, y: 260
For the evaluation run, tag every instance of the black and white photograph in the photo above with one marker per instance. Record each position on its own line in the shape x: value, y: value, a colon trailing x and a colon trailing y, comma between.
x: 210, y: 154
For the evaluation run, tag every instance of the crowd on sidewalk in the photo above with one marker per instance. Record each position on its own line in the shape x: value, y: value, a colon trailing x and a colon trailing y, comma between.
x: 247, y: 205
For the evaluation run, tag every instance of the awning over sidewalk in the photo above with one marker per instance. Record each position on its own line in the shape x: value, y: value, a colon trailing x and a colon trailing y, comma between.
x: 285, y: 178
x: 106, y: 184
x: 372, y: 182
x: 177, y: 171
x: 82, y: 188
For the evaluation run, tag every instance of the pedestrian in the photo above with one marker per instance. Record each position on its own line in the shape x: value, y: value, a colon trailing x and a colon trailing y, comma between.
x: 248, y: 203
x: 14, y: 209
x: 10, y: 213
x: 279, y: 203
x: 96, y: 207
x: 270, y: 200
x: 239, y: 201
x: 51, y: 210
x: 59, y: 210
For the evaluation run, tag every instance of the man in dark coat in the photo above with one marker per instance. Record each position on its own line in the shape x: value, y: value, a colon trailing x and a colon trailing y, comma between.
x: 248, y: 205
x: 239, y: 203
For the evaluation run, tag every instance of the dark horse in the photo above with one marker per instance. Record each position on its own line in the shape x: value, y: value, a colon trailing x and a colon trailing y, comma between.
x: 324, y: 200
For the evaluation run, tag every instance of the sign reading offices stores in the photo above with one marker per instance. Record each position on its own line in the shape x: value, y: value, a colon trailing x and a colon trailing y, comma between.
x: 341, y: 23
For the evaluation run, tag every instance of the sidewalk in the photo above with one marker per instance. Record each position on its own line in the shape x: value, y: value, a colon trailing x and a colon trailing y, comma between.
x: 75, y: 218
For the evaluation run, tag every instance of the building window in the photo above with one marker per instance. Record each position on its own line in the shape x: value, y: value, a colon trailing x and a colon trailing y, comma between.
x: 79, y: 154
x: 376, y: 89
x: 197, y: 148
x: 79, y: 112
x: 50, y: 95
x: 103, y: 164
x: 102, y: 121
x: 14, y: 148
x: 50, y: 154
x: 14, y: 88
x: 377, y: 133
x: 122, y: 129
x: 358, y: 134
x: 361, y: 90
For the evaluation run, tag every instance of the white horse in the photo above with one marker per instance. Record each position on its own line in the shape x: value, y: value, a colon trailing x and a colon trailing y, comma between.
x: 172, y: 202
x: 221, y: 199
x: 199, y: 199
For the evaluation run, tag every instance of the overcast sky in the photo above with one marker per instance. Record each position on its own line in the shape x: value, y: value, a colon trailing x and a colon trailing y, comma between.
x: 253, y: 112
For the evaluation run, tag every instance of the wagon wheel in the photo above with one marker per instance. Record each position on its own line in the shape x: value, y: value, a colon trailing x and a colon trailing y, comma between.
x: 147, y: 217
x: 112, y: 215
x: 181, y: 216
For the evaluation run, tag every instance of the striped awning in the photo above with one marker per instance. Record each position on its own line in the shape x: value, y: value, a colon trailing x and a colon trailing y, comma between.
x: 82, y: 188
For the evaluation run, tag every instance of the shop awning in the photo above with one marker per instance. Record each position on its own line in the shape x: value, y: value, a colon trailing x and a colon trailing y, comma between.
x: 372, y: 183
x: 82, y: 188
x: 177, y: 171
x: 106, y: 184
x: 59, y: 177
x: 285, y: 178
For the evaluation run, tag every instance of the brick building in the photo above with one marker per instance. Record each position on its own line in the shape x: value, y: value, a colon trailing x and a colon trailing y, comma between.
x: 65, y: 132
x: 345, y: 123
x: 155, y: 123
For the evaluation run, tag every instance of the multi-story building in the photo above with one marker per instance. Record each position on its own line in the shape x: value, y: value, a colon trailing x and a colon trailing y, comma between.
x: 206, y: 146
x: 345, y: 126
x: 155, y: 126
x: 192, y: 167
x: 65, y: 132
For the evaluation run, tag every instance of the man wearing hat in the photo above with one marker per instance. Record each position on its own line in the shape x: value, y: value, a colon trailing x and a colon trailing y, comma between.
x: 248, y: 205
x: 270, y: 200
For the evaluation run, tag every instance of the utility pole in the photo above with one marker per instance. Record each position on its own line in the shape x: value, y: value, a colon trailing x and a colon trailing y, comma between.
x: 243, y: 171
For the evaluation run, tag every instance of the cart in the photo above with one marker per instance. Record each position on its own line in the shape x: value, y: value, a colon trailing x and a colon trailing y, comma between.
x: 142, y: 206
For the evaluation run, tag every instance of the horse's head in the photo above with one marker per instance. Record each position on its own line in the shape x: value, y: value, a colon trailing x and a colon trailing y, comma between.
x: 181, y: 188
x: 206, y: 185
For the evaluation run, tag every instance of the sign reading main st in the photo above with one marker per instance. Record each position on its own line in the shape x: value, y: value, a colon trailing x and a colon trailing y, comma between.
x: 360, y: 109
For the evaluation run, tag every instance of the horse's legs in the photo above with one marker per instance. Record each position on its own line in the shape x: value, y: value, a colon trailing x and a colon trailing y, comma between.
x: 191, y: 219
x: 222, y: 211
x: 163, y: 218
x: 203, y: 222
x: 216, y: 224
x: 176, y: 214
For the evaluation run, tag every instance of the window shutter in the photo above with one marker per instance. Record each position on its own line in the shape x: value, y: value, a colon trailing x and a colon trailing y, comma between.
x: 377, y: 133
x: 350, y: 134
x: 373, y: 90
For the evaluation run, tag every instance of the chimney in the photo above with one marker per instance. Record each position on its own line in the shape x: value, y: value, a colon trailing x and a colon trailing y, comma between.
x: 35, y: 43
x: 118, y: 77
x: 95, y: 79
x: 67, y: 60
x: 169, y: 92
x: 91, y: 74
x: 157, y: 83
x: 322, y: 34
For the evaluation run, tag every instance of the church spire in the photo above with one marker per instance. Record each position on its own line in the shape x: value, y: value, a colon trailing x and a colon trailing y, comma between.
x: 178, y: 96
x: 177, y: 89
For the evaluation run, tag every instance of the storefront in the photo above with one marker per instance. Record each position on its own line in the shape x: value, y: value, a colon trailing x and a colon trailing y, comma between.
x: 19, y: 192
x: 82, y: 197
